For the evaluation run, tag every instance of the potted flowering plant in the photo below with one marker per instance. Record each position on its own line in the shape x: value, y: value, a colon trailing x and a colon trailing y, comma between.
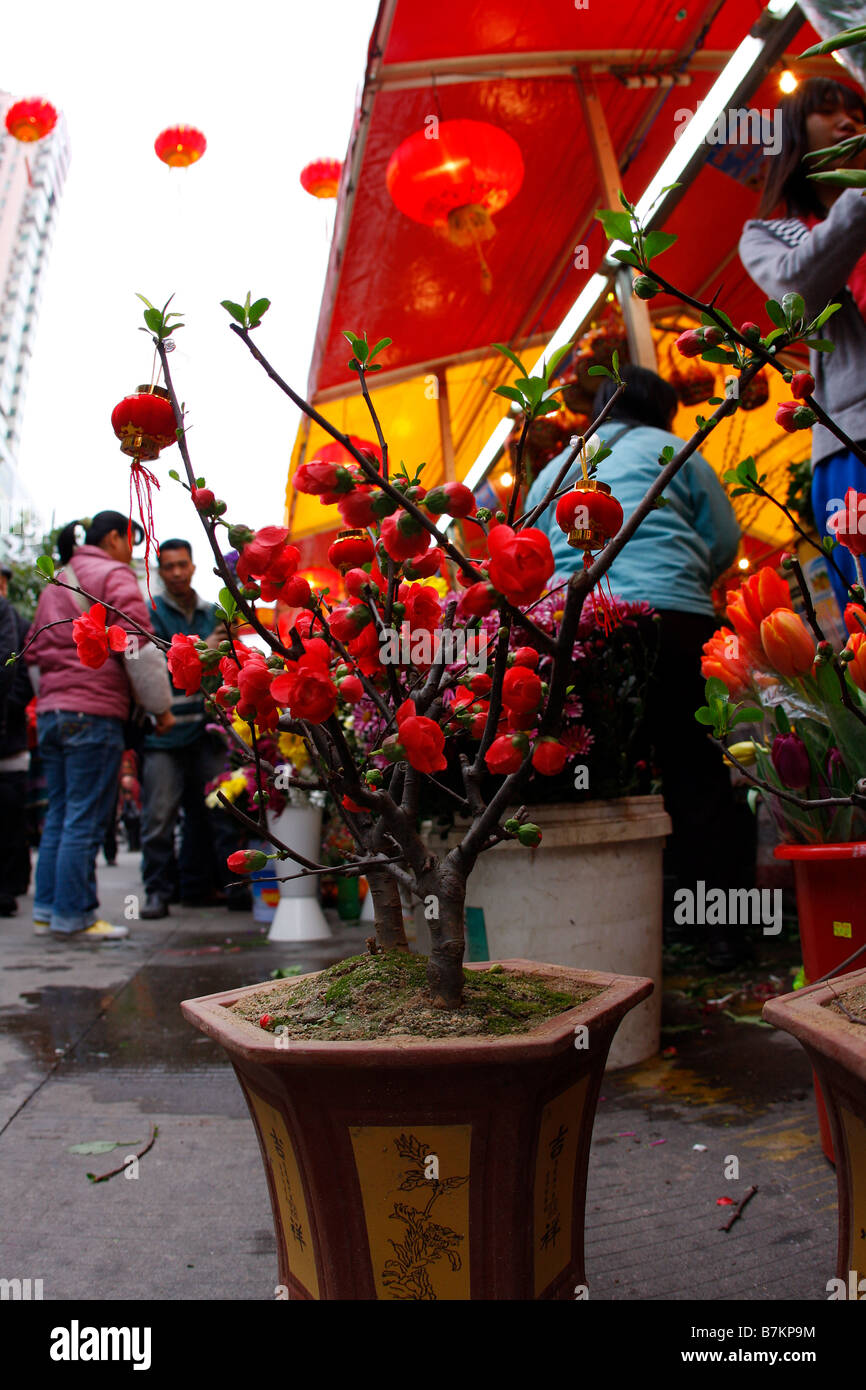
x: 293, y: 812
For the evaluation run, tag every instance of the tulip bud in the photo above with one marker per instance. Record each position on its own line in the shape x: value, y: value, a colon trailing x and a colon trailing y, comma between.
x: 790, y: 758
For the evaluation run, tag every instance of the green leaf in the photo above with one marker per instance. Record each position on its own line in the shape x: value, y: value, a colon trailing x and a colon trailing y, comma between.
x: 842, y: 178
x: 794, y: 306
x: 617, y: 225
x: 545, y: 408
x: 654, y: 243
x: 704, y: 716
x: 228, y: 601
x: 382, y: 343
x: 45, y: 565
x: 719, y: 354
x: 751, y: 714
x: 173, y: 473
x: 820, y: 344
x: 506, y: 352
x: 829, y: 543
x: 599, y: 371
x: 625, y: 202
x: 236, y: 311
x: 102, y: 1146
x: 628, y: 258
x: 257, y: 311
x: 716, y: 688
x: 556, y: 359
x: 825, y: 314
x: 775, y: 314
x: 153, y: 319
x: 511, y: 392
x: 783, y: 723
x: 845, y: 39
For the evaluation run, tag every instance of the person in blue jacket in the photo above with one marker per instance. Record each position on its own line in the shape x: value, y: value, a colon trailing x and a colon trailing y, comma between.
x: 672, y: 562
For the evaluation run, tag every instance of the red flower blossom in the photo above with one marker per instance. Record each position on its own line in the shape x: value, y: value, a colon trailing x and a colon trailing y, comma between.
x: 422, y: 739
x: 403, y: 537
x: 849, y: 524
x: 792, y: 416
x: 506, y: 753
x: 202, y: 499
x: 296, y: 592
x: 307, y: 689
x: 525, y: 656
x: 454, y: 498
x: 94, y: 640
x: 424, y: 566
x: 317, y: 478
x: 254, y: 683
x: 758, y: 596
x: 478, y: 600
x: 351, y: 689
x: 247, y: 861
x: 521, y: 563
x: 422, y: 606
x: 802, y: 385
x: 258, y: 554
x: 346, y: 623
x: 356, y: 508
x: 184, y: 663
x: 549, y: 757
x: 521, y: 690
x: 279, y: 573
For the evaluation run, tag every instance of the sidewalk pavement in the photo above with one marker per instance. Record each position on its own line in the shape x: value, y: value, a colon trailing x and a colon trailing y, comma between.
x: 93, y: 1047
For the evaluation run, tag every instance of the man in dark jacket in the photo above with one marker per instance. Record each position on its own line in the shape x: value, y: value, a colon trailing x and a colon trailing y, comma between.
x: 15, y: 694
x: 178, y: 765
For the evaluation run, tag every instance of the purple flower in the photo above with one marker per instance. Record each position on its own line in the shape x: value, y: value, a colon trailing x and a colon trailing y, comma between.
x: 791, y: 761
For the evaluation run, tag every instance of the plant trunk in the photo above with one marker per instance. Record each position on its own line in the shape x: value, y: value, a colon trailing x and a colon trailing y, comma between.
x: 390, y: 931
x: 444, y: 907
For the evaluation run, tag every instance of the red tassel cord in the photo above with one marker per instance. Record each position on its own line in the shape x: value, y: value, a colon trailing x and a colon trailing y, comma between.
x: 604, y: 607
x: 142, y: 479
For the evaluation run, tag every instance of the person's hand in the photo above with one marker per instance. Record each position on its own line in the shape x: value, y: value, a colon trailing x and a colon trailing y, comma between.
x: 164, y: 721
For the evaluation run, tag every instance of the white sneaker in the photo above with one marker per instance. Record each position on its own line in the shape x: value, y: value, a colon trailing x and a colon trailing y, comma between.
x: 41, y: 928
x: 99, y: 931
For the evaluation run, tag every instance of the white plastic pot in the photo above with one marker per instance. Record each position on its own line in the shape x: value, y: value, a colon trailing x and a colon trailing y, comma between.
x: 299, y: 916
x: 590, y: 896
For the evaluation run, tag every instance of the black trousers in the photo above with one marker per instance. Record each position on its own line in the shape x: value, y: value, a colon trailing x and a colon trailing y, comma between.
x: 14, y: 844
x: 714, y: 832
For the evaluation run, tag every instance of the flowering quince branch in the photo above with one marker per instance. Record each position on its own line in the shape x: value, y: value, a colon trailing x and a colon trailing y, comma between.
x: 404, y: 503
x: 285, y: 851
x: 805, y: 804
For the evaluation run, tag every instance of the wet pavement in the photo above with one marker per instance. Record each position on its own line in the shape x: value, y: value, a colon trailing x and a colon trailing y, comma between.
x: 93, y: 1048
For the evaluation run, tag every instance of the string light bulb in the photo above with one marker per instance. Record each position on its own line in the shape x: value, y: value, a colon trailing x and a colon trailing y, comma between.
x: 788, y: 82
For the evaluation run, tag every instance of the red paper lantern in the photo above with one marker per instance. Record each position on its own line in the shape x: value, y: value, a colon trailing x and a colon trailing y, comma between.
x: 458, y: 181
x: 322, y: 178
x: 180, y: 145
x: 30, y: 120
x: 589, y: 515
x: 351, y: 548
x: 144, y: 423
x: 336, y: 453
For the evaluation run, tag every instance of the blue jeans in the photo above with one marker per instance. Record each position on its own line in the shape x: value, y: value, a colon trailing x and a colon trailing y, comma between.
x: 830, y: 481
x: 80, y: 756
x: 175, y: 778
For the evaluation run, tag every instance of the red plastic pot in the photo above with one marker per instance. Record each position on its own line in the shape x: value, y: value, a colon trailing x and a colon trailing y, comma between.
x: 361, y: 1139
x: 831, y: 906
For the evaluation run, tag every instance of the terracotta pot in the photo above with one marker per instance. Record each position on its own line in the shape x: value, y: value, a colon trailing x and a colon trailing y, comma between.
x: 831, y: 908
x: 355, y: 1134
x: 837, y: 1051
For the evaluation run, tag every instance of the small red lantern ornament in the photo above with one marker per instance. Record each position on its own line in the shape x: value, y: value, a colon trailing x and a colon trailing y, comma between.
x: 180, y: 146
x: 590, y: 515
x: 351, y: 548
x: 458, y: 182
x: 144, y: 423
x: 322, y: 178
x: 30, y: 120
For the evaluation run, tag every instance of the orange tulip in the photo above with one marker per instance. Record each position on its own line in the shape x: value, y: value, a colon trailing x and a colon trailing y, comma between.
x: 788, y: 645
x: 757, y: 597
x: 857, y: 668
x: 855, y: 617
x: 725, y: 657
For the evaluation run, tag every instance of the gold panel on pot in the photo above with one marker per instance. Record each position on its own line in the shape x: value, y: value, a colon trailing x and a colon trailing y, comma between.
x: 556, y: 1156
x: 415, y: 1188
x: 286, y: 1177
x: 855, y: 1138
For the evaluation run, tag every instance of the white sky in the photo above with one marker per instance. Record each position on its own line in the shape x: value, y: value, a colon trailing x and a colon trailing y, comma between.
x: 273, y: 85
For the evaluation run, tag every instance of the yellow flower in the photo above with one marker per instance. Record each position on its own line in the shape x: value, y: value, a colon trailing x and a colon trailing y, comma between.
x: 242, y: 728
x: 293, y: 749
x: 743, y: 752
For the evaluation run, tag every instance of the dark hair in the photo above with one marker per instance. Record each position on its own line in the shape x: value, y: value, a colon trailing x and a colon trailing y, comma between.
x: 175, y: 543
x: 647, y: 399
x: 786, y: 182
x: 96, y: 529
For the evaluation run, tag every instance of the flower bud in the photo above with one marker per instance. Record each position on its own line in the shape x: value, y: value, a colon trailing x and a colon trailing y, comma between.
x: 529, y: 835
x: 790, y: 758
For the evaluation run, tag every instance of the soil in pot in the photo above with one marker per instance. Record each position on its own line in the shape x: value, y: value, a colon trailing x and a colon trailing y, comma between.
x: 852, y: 1003
x: 386, y: 996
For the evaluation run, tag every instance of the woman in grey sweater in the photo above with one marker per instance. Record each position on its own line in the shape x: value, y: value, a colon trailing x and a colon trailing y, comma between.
x: 810, y: 238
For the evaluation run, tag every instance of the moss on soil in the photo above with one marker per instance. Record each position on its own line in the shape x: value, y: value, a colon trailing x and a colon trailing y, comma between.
x: 854, y: 1001
x: 386, y: 996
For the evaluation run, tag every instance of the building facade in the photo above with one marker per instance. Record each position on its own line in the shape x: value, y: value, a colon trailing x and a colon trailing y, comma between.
x: 32, y: 177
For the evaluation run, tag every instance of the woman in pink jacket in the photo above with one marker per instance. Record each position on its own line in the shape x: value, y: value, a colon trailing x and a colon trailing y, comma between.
x: 80, y: 716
